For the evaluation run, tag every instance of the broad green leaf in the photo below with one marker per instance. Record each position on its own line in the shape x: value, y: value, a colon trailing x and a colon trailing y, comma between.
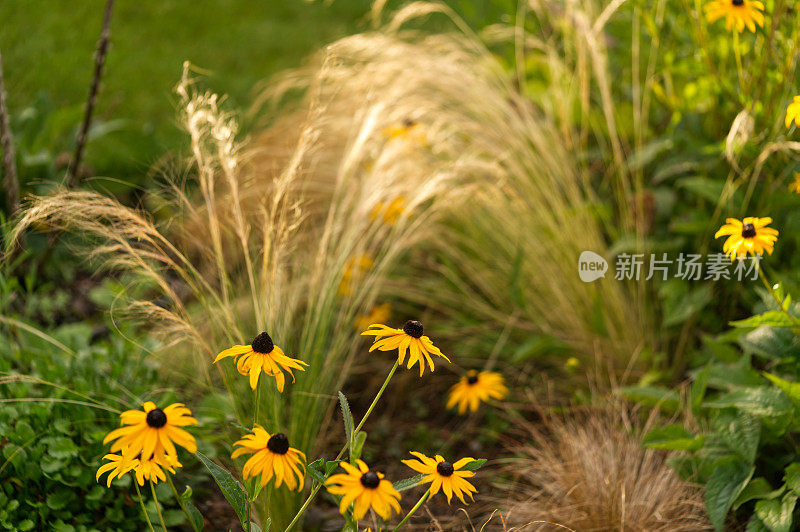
x: 229, y: 486
x: 194, y: 515
x: 777, y: 515
x: 697, y: 391
x: 703, y: 187
x: 771, y: 342
x: 790, y: 389
x: 792, y: 477
x: 672, y: 438
x: 723, y: 487
x: 759, y: 401
x: 741, y: 432
x: 757, y: 488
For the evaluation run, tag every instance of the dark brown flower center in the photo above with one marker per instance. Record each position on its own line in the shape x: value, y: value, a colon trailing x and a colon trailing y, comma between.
x: 370, y: 480
x: 472, y: 379
x: 748, y: 231
x: 156, y: 418
x: 278, y: 443
x: 262, y: 344
x: 413, y: 328
x: 738, y: 2
x: 409, y: 122
x: 444, y: 468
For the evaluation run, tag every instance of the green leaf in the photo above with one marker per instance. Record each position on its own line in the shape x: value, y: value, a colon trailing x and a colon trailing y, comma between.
x: 475, y: 464
x: 771, y: 342
x: 698, y: 389
x: 723, y: 487
x: 792, y: 477
x: 759, y: 401
x: 741, y: 432
x: 757, y: 488
x: 789, y: 389
x: 229, y: 486
x: 772, y: 318
x: 358, y: 445
x: 195, y: 516
x: 408, y: 483
x: 652, y: 396
x: 348, y: 419
x: 777, y: 515
x: 679, y: 309
x: 703, y: 187
x: 672, y: 438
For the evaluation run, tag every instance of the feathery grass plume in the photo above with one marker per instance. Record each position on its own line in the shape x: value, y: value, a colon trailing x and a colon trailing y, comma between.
x: 588, y: 471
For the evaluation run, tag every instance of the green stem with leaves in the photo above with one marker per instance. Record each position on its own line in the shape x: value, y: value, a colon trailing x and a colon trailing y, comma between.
x: 413, y: 510
x: 778, y: 301
x: 141, y: 503
x: 181, y: 504
x: 316, y: 488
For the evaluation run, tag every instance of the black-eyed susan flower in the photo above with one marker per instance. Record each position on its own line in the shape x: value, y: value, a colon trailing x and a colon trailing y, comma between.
x: 117, y: 465
x: 443, y: 475
x: 793, y: 113
x: 378, y: 314
x: 476, y: 387
x: 794, y: 186
x: 272, y: 457
x: 356, y: 267
x: 262, y: 355
x: 151, y: 471
x: 737, y: 13
x: 408, y: 339
x: 364, y: 489
x: 390, y: 212
x: 750, y: 235
x: 154, y: 431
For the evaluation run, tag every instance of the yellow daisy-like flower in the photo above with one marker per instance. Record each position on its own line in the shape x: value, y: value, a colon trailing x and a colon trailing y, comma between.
x: 737, y: 13
x: 118, y: 465
x: 153, y: 431
x: 262, y: 355
x: 356, y: 267
x: 272, y: 458
x: 150, y: 470
x: 390, y: 212
x: 409, y: 338
x: 793, y: 113
x: 475, y: 387
x: 441, y: 474
x: 366, y: 488
x: 379, y: 313
x: 795, y: 185
x: 750, y: 235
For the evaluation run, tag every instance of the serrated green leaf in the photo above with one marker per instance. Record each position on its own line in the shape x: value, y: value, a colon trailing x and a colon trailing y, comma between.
x: 757, y: 488
x: 723, y: 487
x: 475, y: 464
x: 230, y: 487
x: 792, y: 477
x: 789, y: 389
x: 741, y: 432
x: 771, y: 318
x: 408, y: 483
x: 347, y: 416
x: 777, y: 514
x: 759, y: 401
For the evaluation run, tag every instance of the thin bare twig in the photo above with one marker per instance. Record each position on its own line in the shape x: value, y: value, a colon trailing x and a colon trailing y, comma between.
x: 9, y: 159
x: 94, y: 89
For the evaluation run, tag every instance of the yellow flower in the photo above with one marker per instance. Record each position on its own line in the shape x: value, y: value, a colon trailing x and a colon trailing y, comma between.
x: 572, y: 364
x: 273, y: 457
x: 366, y: 488
x: 262, y: 355
x: 408, y: 129
x: 450, y: 478
x: 355, y: 267
x: 153, y: 431
x: 795, y: 185
x: 118, y: 465
x: 391, y: 212
x: 410, y: 339
x: 151, y: 469
x: 793, y: 113
x: 475, y: 387
x: 750, y: 235
x: 740, y: 13
x: 378, y: 313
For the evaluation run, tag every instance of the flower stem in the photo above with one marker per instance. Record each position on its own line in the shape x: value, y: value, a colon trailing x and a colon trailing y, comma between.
x: 183, y: 506
x: 413, y: 510
x: 257, y: 402
x: 316, y: 488
x: 158, y: 507
x: 144, y: 510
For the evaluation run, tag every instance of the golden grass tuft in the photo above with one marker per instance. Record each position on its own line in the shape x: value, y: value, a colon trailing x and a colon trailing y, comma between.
x: 587, y: 471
